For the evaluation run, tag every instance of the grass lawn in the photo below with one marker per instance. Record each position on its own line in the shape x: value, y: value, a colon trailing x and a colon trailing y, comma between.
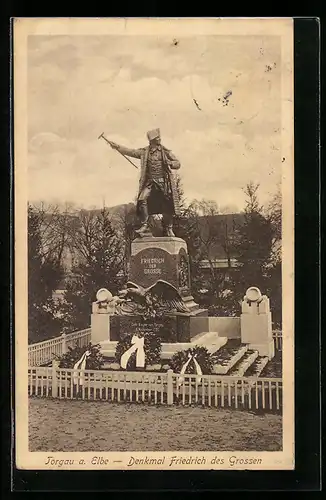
x: 70, y: 425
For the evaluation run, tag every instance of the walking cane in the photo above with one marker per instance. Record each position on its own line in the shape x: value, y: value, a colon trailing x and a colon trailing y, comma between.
x: 109, y: 142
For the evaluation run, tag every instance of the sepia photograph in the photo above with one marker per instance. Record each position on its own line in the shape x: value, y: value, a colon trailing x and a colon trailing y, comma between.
x: 154, y: 243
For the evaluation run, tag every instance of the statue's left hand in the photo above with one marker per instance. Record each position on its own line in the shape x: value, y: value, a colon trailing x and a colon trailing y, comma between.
x: 174, y: 164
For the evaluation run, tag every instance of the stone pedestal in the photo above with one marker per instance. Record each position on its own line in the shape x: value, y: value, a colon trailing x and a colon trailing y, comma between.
x: 100, y: 321
x: 152, y: 259
x: 164, y: 258
x: 100, y: 326
x: 256, y: 323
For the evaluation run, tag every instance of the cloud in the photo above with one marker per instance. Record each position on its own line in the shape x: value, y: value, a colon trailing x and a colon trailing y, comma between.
x: 48, y: 142
x: 124, y: 86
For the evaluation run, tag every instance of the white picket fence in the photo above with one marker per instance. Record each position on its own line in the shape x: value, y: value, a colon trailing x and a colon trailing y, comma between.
x: 156, y: 388
x: 43, y: 352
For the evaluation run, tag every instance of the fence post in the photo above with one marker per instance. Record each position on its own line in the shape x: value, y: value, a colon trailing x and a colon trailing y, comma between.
x: 55, y: 366
x: 170, y: 387
x: 64, y: 343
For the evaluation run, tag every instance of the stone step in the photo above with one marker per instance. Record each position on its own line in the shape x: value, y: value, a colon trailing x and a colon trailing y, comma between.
x: 257, y: 367
x: 224, y: 366
x: 208, y: 340
x: 108, y: 348
x: 168, y: 349
x: 205, y: 338
x: 197, y: 338
x: 244, y: 364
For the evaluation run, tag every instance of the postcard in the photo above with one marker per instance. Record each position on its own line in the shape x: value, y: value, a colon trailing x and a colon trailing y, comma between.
x: 154, y: 243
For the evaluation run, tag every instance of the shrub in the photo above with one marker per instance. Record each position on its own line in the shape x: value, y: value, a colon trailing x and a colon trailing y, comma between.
x: 204, y: 359
x: 93, y: 362
x: 152, y: 349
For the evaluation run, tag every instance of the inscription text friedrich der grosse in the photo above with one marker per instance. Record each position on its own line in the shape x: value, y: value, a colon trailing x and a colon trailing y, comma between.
x: 151, y: 265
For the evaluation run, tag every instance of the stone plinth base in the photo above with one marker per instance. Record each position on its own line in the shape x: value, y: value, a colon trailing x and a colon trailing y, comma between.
x: 171, y: 328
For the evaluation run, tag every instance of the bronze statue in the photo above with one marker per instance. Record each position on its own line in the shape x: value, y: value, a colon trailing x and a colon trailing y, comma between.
x: 157, y: 187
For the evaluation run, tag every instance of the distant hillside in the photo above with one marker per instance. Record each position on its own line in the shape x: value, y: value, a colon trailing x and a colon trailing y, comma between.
x: 115, y: 211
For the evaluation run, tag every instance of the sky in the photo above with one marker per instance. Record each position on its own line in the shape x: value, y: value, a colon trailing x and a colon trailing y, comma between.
x: 216, y: 99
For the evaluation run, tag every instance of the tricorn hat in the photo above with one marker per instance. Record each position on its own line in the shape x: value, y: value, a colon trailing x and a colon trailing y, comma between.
x: 152, y: 134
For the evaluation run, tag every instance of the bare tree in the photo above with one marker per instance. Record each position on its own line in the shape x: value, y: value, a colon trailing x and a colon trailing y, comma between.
x: 57, y: 224
x: 212, y: 233
x: 44, y: 274
x: 126, y: 222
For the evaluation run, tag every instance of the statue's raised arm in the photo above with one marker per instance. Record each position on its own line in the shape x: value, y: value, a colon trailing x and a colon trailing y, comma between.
x: 134, y: 153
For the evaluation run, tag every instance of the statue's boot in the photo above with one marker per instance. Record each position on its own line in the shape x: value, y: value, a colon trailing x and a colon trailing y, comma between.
x: 169, y: 231
x: 168, y: 226
x: 144, y: 229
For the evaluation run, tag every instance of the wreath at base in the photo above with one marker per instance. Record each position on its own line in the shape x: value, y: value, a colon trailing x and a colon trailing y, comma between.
x: 152, y: 350
x: 93, y: 362
x: 203, y: 358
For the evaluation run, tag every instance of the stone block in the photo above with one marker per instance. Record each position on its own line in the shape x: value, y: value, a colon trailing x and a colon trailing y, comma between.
x: 225, y: 326
x: 100, y: 328
x: 199, y: 324
x: 256, y: 328
x: 190, y: 325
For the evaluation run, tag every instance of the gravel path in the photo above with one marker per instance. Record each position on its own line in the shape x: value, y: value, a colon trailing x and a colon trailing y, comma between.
x: 61, y: 425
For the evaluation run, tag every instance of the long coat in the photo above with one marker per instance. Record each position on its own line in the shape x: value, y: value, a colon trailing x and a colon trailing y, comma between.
x: 170, y: 163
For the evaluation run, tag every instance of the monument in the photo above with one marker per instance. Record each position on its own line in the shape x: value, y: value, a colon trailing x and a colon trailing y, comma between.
x: 158, y: 293
x: 160, y: 268
x: 157, y: 296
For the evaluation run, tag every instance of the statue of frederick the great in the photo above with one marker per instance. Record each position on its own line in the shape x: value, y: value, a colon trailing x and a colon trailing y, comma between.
x: 157, y: 186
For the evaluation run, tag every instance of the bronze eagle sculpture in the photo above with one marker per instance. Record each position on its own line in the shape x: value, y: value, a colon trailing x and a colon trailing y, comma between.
x: 158, y: 298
